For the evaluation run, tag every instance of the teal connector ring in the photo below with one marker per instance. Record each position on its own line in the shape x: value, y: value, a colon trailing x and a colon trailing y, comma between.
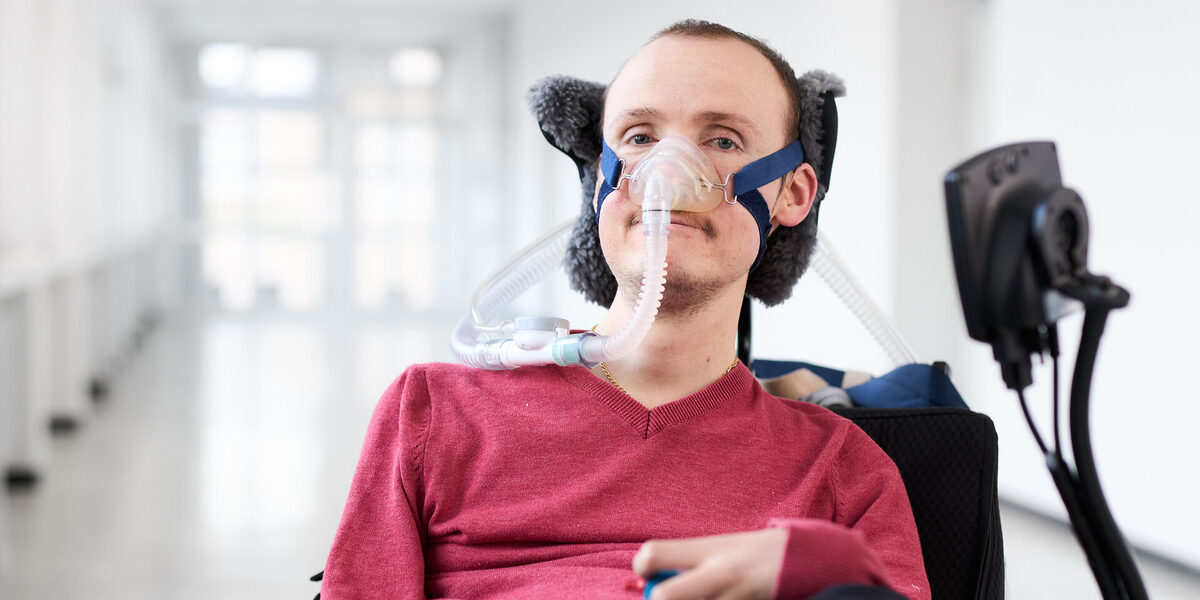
x: 568, y: 350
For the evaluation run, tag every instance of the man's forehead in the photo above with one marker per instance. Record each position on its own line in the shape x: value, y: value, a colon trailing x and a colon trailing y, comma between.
x: 702, y: 77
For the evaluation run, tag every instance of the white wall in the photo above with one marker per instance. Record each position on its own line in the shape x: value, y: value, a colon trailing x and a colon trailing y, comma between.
x: 930, y: 83
x: 1116, y: 86
x: 18, y: 115
x: 85, y: 158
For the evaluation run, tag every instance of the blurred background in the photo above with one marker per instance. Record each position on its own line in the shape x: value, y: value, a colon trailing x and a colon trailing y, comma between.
x: 226, y: 225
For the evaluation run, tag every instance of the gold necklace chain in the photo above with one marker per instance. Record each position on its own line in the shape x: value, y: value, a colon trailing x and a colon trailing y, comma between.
x: 613, y: 380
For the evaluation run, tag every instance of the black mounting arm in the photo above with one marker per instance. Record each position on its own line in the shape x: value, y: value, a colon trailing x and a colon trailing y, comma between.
x: 1020, y: 254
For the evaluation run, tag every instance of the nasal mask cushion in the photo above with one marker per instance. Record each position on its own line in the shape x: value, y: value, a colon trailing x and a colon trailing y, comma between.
x: 693, y: 181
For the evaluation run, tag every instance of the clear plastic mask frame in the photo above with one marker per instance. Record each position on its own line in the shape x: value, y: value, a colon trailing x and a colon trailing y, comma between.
x: 687, y: 157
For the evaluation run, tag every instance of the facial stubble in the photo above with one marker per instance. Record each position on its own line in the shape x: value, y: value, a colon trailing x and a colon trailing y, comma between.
x: 685, y: 293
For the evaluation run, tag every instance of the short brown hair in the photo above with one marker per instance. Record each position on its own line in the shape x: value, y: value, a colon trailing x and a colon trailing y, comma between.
x: 707, y: 29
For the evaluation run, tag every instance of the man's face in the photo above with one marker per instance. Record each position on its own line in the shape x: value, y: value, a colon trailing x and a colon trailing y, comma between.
x: 727, y: 98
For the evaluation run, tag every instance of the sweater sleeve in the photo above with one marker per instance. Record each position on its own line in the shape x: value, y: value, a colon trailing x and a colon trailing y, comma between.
x: 873, y: 539
x: 378, y: 549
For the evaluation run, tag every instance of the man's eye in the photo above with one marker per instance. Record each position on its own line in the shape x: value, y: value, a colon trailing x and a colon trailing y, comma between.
x: 639, y: 139
x: 725, y: 143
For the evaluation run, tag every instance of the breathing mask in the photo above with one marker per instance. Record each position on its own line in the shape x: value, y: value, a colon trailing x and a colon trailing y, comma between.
x: 694, y: 181
x: 673, y: 175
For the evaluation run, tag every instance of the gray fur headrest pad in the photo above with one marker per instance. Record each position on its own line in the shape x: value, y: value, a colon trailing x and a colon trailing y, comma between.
x: 568, y: 112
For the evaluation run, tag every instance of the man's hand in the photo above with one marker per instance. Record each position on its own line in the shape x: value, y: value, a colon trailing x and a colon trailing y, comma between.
x: 719, y: 567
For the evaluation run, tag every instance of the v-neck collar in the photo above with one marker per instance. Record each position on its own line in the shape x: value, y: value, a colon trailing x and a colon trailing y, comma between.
x: 649, y: 421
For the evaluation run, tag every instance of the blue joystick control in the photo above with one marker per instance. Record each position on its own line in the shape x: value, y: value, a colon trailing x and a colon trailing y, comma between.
x: 656, y: 579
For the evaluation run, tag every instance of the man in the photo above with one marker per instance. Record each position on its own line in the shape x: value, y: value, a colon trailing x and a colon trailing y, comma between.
x: 554, y: 481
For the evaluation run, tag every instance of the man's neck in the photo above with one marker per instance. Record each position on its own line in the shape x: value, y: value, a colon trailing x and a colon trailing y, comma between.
x: 681, y: 354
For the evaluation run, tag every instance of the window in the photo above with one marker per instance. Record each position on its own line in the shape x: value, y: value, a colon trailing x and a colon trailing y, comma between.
x: 224, y: 66
x: 239, y: 70
x: 305, y: 193
x: 396, y: 153
x: 283, y: 73
x: 417, y: 67
x: 265, y: 186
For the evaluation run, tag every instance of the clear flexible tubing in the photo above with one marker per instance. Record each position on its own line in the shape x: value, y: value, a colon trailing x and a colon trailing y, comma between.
x: 656, y: 217
x: 519, y: 274
x: 834, y: 273
x: 532, y: 265
x: 503, y: 286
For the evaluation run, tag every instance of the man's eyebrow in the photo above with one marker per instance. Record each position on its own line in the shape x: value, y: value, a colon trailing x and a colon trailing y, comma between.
x: 733, y: 120
x: 641, y: 113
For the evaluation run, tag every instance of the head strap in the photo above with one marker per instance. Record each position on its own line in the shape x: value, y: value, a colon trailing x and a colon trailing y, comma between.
x: 610, y: 170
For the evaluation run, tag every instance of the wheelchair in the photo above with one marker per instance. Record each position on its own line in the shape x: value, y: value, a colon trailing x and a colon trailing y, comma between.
x: 947, y: 454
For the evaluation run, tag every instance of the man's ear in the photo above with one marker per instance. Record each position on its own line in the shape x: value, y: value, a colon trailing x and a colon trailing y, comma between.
x: 796, y: 197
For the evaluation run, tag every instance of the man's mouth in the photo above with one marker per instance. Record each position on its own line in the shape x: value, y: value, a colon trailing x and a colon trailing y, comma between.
x: 683, y: 219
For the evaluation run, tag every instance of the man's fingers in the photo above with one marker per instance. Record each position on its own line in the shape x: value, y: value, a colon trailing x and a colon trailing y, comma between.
x: 720, y: 567
x: 661, y: 555
x: 709, y: 580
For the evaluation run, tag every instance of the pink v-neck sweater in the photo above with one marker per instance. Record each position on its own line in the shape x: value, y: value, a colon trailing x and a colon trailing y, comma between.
x: 543, y: 482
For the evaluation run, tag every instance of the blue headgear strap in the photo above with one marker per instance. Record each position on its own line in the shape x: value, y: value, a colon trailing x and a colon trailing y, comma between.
x: 757, y: 174
x: 610, y: 168
x: 745, y: 184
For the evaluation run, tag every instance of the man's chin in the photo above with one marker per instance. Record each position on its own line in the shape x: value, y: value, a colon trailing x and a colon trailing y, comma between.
x: 683, y: 294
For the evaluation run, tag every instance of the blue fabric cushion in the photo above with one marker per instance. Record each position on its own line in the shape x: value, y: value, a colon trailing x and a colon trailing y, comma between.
x: 909, y: 386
